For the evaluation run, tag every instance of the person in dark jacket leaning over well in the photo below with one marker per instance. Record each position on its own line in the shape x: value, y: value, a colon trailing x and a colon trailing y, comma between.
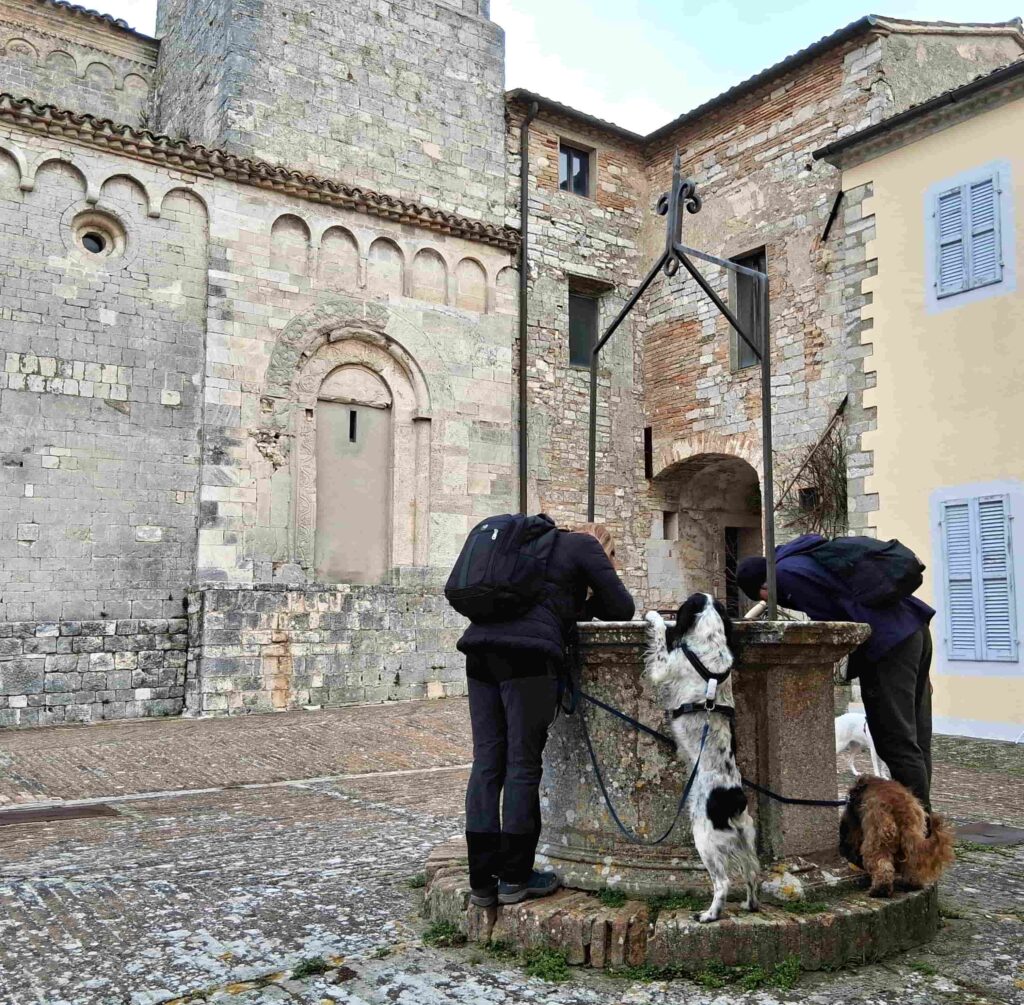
x: 893, y: 663
x: 513, y: 669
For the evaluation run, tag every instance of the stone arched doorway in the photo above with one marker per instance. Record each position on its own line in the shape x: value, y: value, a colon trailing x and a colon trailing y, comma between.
x: 361, y: 465
x: 352, y: 542
x: 706, y: 517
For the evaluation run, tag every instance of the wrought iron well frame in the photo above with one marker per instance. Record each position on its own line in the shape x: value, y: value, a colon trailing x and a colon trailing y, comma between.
x: 682, y: 197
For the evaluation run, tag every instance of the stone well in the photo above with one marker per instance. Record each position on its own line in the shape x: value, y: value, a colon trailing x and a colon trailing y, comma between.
x: 785, y: 740
x: 783, y: 692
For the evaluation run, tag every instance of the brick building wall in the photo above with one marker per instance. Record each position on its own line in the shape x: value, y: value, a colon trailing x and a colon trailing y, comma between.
x: 751, y: 160
x: 593, y: 244
x: 57, y: 54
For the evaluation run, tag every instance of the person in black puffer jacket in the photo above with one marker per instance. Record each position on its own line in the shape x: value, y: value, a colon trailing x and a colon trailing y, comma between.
x: 513, y: 668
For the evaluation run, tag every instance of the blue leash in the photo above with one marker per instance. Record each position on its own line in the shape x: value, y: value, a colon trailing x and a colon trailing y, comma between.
x: 668, y: 741
x: 629, y: 835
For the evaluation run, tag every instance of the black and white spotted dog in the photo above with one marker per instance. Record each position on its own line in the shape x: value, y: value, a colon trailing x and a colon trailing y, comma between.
x: 722, y: 828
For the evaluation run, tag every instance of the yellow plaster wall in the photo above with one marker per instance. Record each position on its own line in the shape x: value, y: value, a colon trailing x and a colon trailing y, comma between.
x: 950, y: 385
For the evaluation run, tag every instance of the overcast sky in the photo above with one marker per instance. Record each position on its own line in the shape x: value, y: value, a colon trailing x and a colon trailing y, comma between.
x: 642, y: 62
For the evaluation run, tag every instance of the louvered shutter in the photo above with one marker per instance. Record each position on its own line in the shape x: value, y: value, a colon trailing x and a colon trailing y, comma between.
x: 984, y: 252
x: 998, y: 641
x: 961, y: 609
x: 980, y: 602
x: 951, y: 250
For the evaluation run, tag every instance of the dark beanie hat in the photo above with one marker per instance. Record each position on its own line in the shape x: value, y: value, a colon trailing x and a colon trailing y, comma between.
x: 751, y: 574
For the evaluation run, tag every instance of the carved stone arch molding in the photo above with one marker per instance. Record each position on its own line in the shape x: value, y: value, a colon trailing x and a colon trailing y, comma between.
x: 344, y: 332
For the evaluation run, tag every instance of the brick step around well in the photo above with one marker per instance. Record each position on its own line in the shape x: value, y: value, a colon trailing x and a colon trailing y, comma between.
x: 854, y: 929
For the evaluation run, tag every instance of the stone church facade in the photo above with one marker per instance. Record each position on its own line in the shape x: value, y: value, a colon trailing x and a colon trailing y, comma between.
x: 260, y: 338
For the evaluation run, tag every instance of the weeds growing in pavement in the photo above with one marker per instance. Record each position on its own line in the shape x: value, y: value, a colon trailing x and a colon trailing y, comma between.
x: 783, y: 975
x: 612, y: 898
x: 312, y: 966
x: 444, y: 935
x: 547, y: 964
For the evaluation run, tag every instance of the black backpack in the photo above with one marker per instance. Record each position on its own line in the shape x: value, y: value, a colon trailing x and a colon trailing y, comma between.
x: 878, y: 573
x: 500, y: 572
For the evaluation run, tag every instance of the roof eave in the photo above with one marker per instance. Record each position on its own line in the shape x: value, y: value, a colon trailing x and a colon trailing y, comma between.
x: 837, y: 152
x: 525, y: 97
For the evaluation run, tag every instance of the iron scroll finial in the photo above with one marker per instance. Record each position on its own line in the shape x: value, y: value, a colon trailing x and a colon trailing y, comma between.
x: 681, y: 196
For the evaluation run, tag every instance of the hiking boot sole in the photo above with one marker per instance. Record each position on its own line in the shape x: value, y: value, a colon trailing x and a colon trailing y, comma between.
x: 525, y: 894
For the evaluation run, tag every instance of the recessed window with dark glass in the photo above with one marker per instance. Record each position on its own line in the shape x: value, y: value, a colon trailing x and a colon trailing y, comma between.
x: 584, y: 315
x: 743, y: 300
x: 573, y: 169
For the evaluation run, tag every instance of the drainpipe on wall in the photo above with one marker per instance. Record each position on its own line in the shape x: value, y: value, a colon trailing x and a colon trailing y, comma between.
x: 524, y: 218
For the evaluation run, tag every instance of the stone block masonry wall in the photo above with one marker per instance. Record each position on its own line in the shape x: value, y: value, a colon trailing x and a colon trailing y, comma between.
x: 100, y: 384
x: 84, y: 671
x: 59, y: 56
x: 299, y: 291
x: 402, y: 96
x: 853, y: 267
x: 271, y: 648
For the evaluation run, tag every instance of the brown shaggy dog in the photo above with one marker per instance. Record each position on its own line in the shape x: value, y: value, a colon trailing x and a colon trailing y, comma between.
x: 885, y: 831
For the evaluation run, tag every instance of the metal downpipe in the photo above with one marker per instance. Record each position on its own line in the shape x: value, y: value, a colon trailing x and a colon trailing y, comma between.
x: 524, y: 233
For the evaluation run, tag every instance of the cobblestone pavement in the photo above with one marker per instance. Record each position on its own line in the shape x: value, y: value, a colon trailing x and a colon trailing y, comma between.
x: 203, y: 896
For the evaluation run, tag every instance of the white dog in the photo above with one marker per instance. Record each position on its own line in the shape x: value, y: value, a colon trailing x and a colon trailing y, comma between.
x: 723, y: 830
x: 852, y: 734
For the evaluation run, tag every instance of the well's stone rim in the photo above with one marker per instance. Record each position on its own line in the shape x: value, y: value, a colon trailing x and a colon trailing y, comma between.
x: 841, y: 634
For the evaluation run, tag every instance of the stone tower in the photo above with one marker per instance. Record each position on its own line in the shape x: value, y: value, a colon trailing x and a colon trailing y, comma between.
x: 402, y: 96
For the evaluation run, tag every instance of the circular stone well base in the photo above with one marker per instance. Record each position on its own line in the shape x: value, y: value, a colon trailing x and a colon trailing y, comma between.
x: 854, y: 929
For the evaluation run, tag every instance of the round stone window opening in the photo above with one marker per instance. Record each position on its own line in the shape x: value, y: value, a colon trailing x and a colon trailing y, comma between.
x: 94, y: 243
x: 99, y: 235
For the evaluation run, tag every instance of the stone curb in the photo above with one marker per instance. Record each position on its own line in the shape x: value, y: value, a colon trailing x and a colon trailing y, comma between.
x: 856, y: 928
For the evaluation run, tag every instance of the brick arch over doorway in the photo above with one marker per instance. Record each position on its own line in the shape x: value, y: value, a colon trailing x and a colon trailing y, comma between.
x: 743, y: 446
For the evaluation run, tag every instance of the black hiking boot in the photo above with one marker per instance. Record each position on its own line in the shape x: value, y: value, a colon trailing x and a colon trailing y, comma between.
x: 540, y: 884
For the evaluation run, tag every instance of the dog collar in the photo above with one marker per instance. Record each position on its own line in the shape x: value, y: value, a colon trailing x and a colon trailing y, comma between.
x: 697, y: 665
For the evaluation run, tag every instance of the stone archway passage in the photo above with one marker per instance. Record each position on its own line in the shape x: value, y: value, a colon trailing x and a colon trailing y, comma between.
x: 707, y: 516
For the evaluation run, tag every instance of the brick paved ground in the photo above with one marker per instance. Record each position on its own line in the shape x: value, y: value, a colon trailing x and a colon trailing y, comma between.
x: 189, y: 893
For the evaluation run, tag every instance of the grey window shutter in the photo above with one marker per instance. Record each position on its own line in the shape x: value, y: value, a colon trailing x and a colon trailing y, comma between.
x: 998, y: 637
x: 962, y: 619
x: 951, y: 244
x: 985, y: 251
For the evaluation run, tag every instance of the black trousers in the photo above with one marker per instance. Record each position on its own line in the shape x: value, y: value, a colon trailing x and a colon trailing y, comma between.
x: 510, y: 720
x: 897, y: 695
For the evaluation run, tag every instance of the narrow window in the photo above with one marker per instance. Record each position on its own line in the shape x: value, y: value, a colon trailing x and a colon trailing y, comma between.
x: 670, y: 525
x: 573, y: 169
x: 352, y: 419
x: 584, y: 314
x: 743, y: 305
x: 808, y: 499
x: 648, y: 452
x: 978, y: 570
